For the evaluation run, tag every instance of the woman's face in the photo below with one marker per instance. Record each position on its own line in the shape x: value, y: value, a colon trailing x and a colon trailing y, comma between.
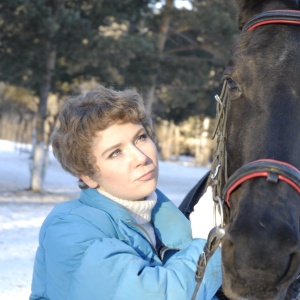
x: 127, y: 159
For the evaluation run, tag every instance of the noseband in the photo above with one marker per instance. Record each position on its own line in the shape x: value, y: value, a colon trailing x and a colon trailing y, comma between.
x: 273, y: 170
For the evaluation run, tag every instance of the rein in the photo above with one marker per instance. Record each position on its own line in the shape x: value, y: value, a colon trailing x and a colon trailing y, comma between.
x: 273, y: 170
x: 219, y: 173
x: 217, y: 233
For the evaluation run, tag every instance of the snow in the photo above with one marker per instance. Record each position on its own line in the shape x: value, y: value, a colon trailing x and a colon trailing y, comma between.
x: 22, y: 212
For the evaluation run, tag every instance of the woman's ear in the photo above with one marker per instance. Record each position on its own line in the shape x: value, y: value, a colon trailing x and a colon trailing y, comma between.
x: 89, y: 181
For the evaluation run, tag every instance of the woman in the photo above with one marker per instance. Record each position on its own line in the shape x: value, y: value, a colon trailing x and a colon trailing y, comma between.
x: 122, y: 238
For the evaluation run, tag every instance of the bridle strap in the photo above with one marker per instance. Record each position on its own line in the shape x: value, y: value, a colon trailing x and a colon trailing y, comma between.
x: 273, y: 170
x: 291, y: 17
x: 219, y: 172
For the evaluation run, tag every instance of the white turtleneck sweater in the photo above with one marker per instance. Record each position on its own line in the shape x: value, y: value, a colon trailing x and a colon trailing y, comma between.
x: 140, y: 210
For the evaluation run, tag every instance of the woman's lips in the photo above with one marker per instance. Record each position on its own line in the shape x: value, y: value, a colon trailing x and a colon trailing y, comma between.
x: 147, y: 176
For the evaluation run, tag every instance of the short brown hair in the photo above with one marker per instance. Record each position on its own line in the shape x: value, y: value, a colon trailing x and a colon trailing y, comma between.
x: 81, y: 117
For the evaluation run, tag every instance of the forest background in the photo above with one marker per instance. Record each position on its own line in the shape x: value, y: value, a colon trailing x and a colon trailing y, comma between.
x: 173, y: 55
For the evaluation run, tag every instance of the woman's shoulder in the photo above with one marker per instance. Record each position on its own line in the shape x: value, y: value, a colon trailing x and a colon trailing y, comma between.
x: 162, y: 198
x: 74, y: 215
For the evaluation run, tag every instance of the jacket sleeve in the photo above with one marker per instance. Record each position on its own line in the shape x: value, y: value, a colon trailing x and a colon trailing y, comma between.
x: 102, y: 267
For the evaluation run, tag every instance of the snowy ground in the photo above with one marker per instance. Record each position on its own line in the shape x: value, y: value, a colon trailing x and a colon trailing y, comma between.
x: 22, y: 212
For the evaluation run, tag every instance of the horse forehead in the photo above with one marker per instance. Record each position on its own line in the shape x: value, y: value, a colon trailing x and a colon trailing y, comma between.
x: 261, y: 55
x: 263, y: 48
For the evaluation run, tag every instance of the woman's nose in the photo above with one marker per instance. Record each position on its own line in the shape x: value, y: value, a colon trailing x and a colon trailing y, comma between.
x: 138, y: 156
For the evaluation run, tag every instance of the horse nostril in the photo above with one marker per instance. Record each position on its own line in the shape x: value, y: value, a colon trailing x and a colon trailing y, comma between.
x: 293, y: 268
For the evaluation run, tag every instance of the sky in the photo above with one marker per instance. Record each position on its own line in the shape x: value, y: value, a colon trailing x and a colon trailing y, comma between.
x: 22, y: 212
x: 186, y: 4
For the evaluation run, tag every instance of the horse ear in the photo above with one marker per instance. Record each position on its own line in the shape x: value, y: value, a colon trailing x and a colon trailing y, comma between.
x: 246, y: 8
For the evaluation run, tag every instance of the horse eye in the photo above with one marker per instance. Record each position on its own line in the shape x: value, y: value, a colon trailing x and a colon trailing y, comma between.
x: 232, y: 85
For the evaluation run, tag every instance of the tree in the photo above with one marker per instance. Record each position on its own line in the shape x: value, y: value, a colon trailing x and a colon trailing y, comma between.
x: 195, y: 54
x: 192, y: 53
x: 175, y: 57
x: 160, y: 42
x: 49, y: 45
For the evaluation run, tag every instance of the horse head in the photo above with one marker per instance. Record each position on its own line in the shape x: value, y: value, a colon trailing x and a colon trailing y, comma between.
x: 261, y: 247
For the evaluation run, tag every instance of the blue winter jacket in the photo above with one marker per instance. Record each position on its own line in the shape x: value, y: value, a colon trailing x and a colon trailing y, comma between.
x: 91, y: 248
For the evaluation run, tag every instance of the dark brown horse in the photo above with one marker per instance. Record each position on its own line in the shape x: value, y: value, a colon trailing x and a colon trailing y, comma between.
x: 255, y: 172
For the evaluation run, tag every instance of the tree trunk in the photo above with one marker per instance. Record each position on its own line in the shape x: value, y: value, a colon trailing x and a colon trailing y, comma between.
x: 160, y: 45
x: 39, y: 156
x: 202, y: 155
x: 177, y: 142
x: 197, y: 141
x: 167, y: 144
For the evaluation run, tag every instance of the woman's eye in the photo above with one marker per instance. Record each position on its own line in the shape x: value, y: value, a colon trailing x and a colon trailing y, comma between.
x: 142, y: 137
x: 115, y: 153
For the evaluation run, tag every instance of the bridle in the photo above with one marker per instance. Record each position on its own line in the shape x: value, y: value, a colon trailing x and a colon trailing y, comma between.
x: 273, y: 170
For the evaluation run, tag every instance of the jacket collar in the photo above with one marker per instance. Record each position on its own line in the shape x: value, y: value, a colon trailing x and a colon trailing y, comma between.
x: 93, y: 198
x: 171, y: 226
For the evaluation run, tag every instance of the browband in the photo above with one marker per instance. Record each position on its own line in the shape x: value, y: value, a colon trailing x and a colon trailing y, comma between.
x: 291, y: 17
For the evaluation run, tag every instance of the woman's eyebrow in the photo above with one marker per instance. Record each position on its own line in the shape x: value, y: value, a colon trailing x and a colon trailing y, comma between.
x: 141, y: 130
x: 111, y: 148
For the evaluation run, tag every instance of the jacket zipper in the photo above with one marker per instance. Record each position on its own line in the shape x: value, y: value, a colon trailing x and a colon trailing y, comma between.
x: 147, y: 235
x: 164, y: 249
